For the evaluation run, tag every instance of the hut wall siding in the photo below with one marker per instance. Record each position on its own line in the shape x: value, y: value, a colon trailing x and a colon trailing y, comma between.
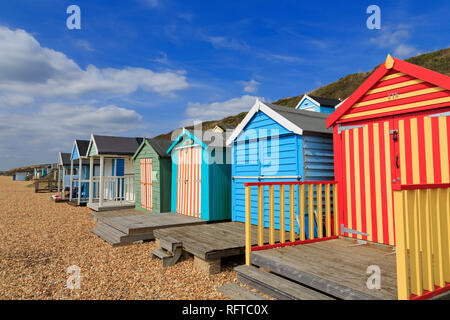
x: 148, y: 153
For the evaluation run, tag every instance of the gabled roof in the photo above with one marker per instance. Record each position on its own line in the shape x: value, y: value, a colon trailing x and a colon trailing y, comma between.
x: 403, y: 68
x: 112, y: 145
x: 82, y: 146
x: 159, y: 145
x: 292, y: 119
x: 205, y: 139
x: 64, y: 159
x: 323, y: 102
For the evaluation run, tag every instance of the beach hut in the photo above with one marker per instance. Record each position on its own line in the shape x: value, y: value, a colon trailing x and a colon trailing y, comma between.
x: 79, y: 180
x: 63, y: 167
x: 275, y: 143
x: 317, y: 104
x: 201, y: 175
x: 152, y: 176
x: 20, y: 176
x: 113, y: 187
x: 393, y: 132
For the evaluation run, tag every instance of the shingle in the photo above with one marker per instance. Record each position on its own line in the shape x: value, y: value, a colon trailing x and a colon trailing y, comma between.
x: 160, y: 146
x: 326, y: 102
x: 117, y: 145
x: 306, y: 120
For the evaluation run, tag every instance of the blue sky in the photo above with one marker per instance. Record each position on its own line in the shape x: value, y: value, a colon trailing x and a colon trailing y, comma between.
x: 144, y: 67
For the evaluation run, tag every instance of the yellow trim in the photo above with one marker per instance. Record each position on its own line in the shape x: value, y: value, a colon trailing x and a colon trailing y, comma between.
x: 328, y: 210
x: 357, y: 181
x: 443, y: 142
x: 260, y: 215
x: 436, y: 233
x: 367, y: 181
x: 302, y: 211
x: 376, y: 151
x: 401, y: 96
x: 319, y: 211
x: 428, y: 149
x: 248, y: 225
x: 271, y: 214
x: 292, y: 212
x: 395, y: 86
x: 348, y: 182
x: 311, y: 211
x: 397, y: 108
x: 282, y: 215
x: 401, y: 134
x: 387, y: 157
x: 389, y: 62
x: 414, y: 250
x: 393, y: 76
x: 425, y: 239
x: 401, y: 248
x: 336, y: 209
x: 415, y: 151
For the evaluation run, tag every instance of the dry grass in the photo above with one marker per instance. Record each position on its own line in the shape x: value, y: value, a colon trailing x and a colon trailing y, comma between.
x: 40, y: 239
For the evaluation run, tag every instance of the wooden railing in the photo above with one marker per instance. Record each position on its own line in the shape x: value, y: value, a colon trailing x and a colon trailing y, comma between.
x: 422, y: 228
x: 118, y: 188
x: 317, y: 195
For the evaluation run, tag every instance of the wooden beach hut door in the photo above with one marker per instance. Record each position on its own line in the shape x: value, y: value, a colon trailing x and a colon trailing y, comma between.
x: 189, y: 181
x: 369, y: 168
x: 146, y: 184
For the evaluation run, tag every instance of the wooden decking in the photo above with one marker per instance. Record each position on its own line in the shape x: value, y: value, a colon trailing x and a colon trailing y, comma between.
x: 111, y: 205
x: 210, y: 242
x: 337, y: 268
x: 123, y: 227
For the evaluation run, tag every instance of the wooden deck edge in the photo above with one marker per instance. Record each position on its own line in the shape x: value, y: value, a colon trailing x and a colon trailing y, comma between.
x: 331, y: 288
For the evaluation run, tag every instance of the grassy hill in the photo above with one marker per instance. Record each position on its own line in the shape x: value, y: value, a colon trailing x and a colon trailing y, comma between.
x: 438, y: 61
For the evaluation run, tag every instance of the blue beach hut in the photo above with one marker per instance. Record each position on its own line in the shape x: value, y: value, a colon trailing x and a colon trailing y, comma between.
x: 275, y: 143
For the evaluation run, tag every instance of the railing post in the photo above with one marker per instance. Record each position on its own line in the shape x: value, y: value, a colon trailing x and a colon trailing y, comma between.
x: 301, y: 209
x: 91, y: 179
x: 282, y: 215
x: 248, y: 225
x: 311, y: 210
x: 260, y: 215
x: 327, y: 210
x: 401, y: 253
x: 271, y: 214
x: 335, y: 210
x: 292, y: 212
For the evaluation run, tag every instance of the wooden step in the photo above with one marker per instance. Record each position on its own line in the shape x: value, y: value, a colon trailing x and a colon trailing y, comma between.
x: 170, y: 244
x: 276, y: 286
x: 109, y: 234
x: 237, y: 292
x: 167, y: 259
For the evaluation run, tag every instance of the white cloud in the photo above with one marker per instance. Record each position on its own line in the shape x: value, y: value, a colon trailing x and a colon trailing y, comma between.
x: 395, y: 39
x: 15, y: 100
x: 217, y: 110
x: 28, y: 68
x: 250, y: 86
x: 84, y: 45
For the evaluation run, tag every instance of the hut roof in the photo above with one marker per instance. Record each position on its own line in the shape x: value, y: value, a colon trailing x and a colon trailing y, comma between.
x: 116, y: 145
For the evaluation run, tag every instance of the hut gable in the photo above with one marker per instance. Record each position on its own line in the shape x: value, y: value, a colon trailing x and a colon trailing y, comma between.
x: 317, y: 104
x: 396, y: 87
x: 79, y: 149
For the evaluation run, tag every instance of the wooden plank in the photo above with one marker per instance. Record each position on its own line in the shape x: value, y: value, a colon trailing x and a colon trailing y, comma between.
x: 236, y: 292
x: 301, y: 206
x: 282, y: 215
x: 260, y: 215
x: 292, y: 212
x: 335, y: 209
x: 275, y: 286
x: 311, y: 211
x: 271, y: 214
x: 425, y: 239
x: 248, y: 224
x: 413, y: 223
x: 328, y: 210
x: 319, y: 211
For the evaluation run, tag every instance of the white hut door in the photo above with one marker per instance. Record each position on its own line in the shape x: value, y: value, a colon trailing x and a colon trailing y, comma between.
x: 189, y: 181
x: 146, y: 184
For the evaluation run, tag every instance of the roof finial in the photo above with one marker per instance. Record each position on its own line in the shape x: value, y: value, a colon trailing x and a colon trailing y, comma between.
x: 389, y: 62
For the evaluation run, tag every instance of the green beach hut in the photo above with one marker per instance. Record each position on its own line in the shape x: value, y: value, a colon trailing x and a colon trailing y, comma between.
x: 152, y: 176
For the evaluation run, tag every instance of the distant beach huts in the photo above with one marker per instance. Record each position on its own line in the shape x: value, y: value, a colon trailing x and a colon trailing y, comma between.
x: 152, y: 176
x: 275, y: 143
x: 79, y: 180
x: 201, y: 176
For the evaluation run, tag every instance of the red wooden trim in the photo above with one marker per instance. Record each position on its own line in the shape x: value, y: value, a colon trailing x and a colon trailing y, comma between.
x: 430, y: 76
x: 363, y: 88
x: 287, y: 244
x: 407, y: 68
x: 420, y: 186
x: 428, y: 294
x: 253, y: 184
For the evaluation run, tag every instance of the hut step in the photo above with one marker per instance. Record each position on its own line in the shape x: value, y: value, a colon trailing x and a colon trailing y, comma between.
x: 167, y: 258
x: 276, y: 286
x: 170, y: 244
x: 109, y: 234
x: 237, y: 292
